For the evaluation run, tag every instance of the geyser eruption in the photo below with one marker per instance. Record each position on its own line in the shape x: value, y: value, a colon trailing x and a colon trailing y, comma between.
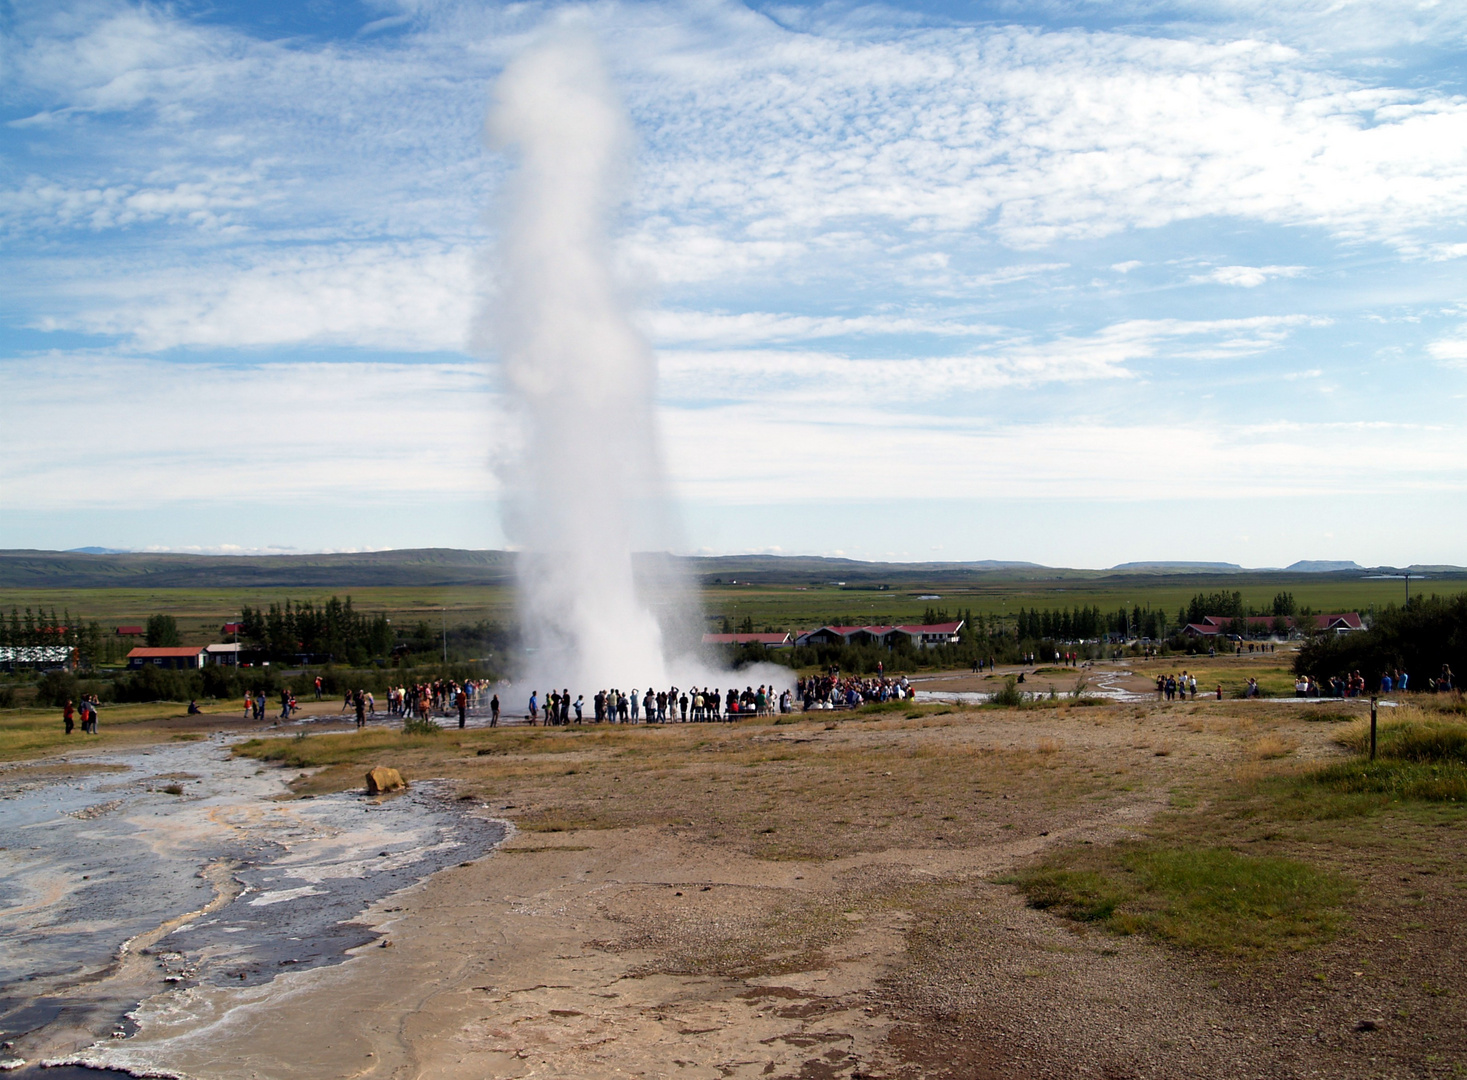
x: 581, y: 381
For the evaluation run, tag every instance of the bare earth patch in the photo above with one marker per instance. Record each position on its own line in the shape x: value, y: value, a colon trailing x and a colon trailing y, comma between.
x: 846, y: 897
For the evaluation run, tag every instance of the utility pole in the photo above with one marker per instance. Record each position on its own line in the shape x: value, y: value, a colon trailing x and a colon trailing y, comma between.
x: 445, y: 634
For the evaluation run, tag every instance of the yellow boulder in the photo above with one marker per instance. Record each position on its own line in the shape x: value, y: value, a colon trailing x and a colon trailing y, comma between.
x: 382, y: 779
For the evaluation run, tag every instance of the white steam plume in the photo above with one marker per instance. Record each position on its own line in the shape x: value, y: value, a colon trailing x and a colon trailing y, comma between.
x: 581, y: 381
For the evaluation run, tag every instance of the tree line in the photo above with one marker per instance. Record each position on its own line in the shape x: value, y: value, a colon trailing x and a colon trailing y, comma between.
x: 334, y: 629
x: 1417, y: 638
x: 38, y: 629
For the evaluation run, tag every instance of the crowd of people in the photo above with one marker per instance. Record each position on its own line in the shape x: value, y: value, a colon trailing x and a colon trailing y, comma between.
x: 1178, y: 687
x: 440, y: 697
x: 830, y: 691
x: 673, y: 705
x: 1355, y: 684
x: 86, y: 709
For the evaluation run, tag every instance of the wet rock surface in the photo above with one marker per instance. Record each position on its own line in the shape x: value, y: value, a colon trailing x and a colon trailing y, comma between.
x: 113, y: 887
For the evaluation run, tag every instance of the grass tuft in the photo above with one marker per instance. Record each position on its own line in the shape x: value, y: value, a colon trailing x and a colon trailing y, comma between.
x: 1395, y: 780
x: 1417, y: 760
x: 1274, y: 746
x: 1211, y: 899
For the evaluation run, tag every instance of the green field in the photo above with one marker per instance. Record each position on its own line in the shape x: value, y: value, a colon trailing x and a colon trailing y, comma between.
x: 788, y: 607
x: 200, y: 612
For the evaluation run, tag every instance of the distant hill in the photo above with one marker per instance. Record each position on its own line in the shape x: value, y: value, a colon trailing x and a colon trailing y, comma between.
x: 1182, y: 567
x: 1321, y: 566
x: 443, y: 567
x: 819, y: 570
x: 419, y: 566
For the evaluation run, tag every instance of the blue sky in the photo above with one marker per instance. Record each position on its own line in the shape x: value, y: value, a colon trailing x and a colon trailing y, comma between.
x: 1079, y: 283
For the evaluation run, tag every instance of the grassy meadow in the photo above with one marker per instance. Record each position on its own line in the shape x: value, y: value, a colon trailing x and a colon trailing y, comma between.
x: 200, y: 612
x: 790, y: 606
x: 31, y: 732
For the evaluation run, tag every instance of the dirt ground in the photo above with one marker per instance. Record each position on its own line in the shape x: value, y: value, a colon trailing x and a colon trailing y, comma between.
x: 831, y: 898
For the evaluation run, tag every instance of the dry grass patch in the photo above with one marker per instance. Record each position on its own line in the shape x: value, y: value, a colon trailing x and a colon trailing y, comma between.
x: 1273, y: 746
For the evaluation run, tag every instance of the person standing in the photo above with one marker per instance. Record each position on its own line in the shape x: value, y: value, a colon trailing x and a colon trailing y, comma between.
x: 494, y: 711
x: 534, y: 706
x: 318, y: 688
x: 361, y: 706
x: 66, y: 716
x: 461, y: 699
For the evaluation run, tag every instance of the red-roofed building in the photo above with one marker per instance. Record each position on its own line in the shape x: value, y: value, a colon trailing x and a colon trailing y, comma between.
x: 130, y: 631
x: 1215, y: 625
x: 769, y: 641
x: 231, y: 628
x: 1339, y: 624
x: 176, y: 656
x: 921, y: 635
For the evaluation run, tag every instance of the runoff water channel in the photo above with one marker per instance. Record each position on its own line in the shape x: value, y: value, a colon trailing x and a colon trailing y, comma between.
x: 125, y: 876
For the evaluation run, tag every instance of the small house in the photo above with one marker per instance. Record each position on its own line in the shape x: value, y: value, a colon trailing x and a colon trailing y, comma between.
x: 181, y: 657
x: 227, y: 655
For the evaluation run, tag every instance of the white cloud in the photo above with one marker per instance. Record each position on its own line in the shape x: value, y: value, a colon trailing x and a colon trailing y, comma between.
x: 212, y: 200
x: 413, y: 297
x: 1248, y: 277
x: 670, y: 326
x: 157, y: 433
x: 833, y: 380
x: 1450, y: 350
x: 787, y: 452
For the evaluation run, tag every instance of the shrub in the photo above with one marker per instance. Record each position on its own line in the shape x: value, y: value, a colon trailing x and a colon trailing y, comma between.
x: 415, y: 726
x: 1010, y: 697
x: 220, y: 681
x: 157, y: 684
x: 57, y: 688
x: 162, y: 631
